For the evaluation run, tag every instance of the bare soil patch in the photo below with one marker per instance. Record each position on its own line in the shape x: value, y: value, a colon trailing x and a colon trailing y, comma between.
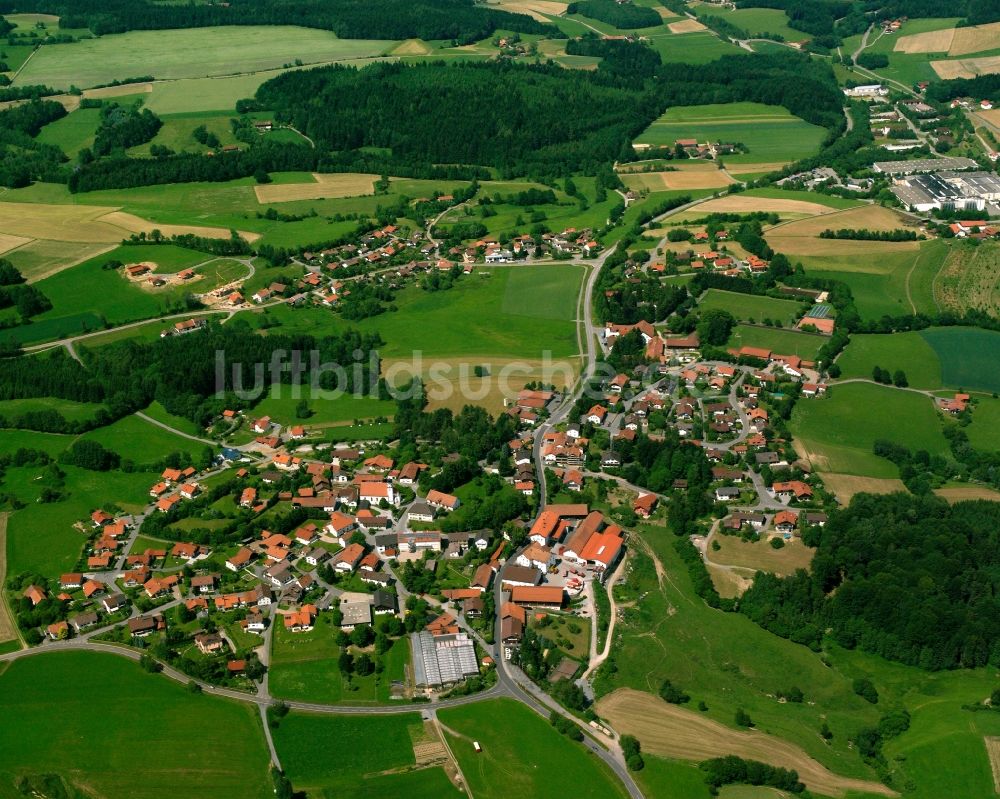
x: 686, y: 26
x: 730, y: 583
x: 845, y: 486
x: 928, y: 42
x: 347, y: 184
x: 975, y: 39
x: 963, y: 493
x: 671, y: 731
x: 748, y: 169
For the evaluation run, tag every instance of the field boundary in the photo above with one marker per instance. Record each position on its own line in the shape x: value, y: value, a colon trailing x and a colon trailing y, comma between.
x: 8, y: 629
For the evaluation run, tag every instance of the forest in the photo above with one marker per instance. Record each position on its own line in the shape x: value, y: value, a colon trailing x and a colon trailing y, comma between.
x: 906, y: 577
x: 183, y: 372
x: 502, y: 115
x: 462, y: 20
x: 618, y: 15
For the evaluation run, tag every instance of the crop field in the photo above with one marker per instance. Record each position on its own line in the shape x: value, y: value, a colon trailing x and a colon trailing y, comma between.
x: 845, y: 486
x: 975, y: 39
x: 510, y: 733
x: 935, y: 39
x: 749, y: 308
x: 40, y: 536
x: 190, y: 53
x: 964, y: 493
x: 205, y: 94
x: 966, y: 67
x: 770, y: 133
x: 38, y: 695
x: 801, y: 237
x: 338, y: 185
x: 970, y: 357
x: 742, y: 203
x: 705, y: 176
x: 908, y: 351
x: 837, y: 432
x: 784, y: 342
x: 41, y: 258
x: 672, y: 731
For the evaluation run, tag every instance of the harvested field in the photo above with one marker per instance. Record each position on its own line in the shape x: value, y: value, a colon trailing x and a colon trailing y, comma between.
x: 686, y: 26
x: 975, y: 39
x: 962, y: 493
x: 59, y: 222
x: 993, y: 752
x: 118, y: 91
x: 928, y: 42
x: 845, y: 486
x: 966, y: 67
x: 537, y: 9
x: 8, y: 243
x: 804, y: 245
x: 870, y: 217
x: 671, y: 731
x: 746, y: 169
x: 41, y: 258
x: 760, y: 555
x: 990, y: 117
x: 687, y: 179
x: 135, y: 224
x: 347, y: 184
x: 741, y: 204
x: 412, y: 47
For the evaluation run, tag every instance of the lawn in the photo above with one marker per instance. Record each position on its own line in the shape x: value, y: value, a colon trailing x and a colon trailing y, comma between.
x: 44, y: 699
x: 838, y: 432
x: 770, y: 133
x: 41, y: 536
x: 73, y: 132
x: 523, y: 755
x: 140, y: 441
x: 907, y: 351
x: 377, y: 744
x: 750, y: 308
x: 189, y: 53
x: 970, y: 356
x: 783, y: 342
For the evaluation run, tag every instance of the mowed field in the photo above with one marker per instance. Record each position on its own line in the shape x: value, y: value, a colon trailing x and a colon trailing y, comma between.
x: 189, y: 53
x: 770, y: 133
x: 836, y: 433
x: 347, y: 184
x: 673, y: 731
x: 523, y: 755
x: 147, y: 737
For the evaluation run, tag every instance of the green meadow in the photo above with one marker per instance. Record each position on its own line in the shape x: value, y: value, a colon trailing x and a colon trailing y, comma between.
x: 509, y: 733
x: 381, y: 761
x: 907, y: 351
x: 41, y: 536
x: 755, y: 21
x: 777, y: 340
x: 727, y: 661
x: 140, y: 441
x: 691, y: 48
x: 750, y: 308
x: 770, y: 133
x: 839, y: 430
x: 189, y: 53
x: 70, y: 410
x: 970, y: 356
x: 73, y: 132
x: 323, y: 412
x: 111, y: 729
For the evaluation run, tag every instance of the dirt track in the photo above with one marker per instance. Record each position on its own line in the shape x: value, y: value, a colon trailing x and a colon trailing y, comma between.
x: 671, y: 731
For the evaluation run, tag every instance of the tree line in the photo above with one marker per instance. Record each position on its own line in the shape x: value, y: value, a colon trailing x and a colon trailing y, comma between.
x: 618, y: 15
x: 349, y: 19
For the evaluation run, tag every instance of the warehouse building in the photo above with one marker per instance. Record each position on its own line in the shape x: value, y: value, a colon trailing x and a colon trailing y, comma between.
x: 952, y: 191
